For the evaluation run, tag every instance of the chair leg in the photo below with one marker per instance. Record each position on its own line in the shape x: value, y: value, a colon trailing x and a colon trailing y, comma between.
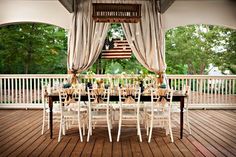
x: 43, y: 123
x: 119, y: 129
x: 89, y: 128
x: 147, y: 128
x: 63, y: 126
x: 150, y: 133
x: 48, y: 120
x: 60, y: 131
x: 80, y: 132
x: 139, y: 130
x: 170, y: 130
x: 109, y: 129
x: 187, y: 120
x: 83, y: 127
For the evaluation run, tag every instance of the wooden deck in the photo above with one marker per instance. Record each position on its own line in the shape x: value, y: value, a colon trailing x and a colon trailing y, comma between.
x: 213, y: 134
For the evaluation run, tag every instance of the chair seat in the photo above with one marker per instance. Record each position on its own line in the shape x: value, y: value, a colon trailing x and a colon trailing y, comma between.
x: 177, y: 109
x: 54, y: 110
x: 158, y: 115
x: 100, y: 114
x: 70, y: 113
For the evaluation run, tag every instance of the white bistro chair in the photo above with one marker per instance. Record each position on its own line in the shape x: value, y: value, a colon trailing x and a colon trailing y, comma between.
x: 129, y: 108
x: 159, y: 113
x: 99, y: 110
x: 56, y: 109
x: 71, y: 112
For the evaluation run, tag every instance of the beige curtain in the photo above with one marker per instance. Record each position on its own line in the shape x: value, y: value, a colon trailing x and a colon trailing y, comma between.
x: 86, y: 38
x: 146, y: 38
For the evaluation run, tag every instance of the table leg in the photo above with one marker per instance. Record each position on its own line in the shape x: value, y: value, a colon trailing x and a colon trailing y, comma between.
x: 51, y: 116
x: 181, y: 116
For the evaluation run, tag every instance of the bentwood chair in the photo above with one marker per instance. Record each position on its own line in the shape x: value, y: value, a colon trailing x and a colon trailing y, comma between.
x: 99, y: 110
x: 68, y: 116
x: 81, y: 110
x: 56, y: 111
x: 159, y: 113
x: 129, y: 109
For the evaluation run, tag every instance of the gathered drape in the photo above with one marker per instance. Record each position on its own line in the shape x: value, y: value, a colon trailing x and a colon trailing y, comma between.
x: 146, y: 38
x: 86, y: 38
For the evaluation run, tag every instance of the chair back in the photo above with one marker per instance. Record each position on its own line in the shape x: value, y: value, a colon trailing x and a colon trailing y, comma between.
x: 98, y: 96
x: 62, y: 99
x: 187, y: 90
x: 44, y: 96
x: 161, y: 99
x: 129, y: 95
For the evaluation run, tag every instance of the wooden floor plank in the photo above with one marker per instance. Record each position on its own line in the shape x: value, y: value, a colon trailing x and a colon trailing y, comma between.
x: 222, y: 118
x: 40, y: 141
x: 28, y: 136
x: 221, y: 139
x: 200, y: 147
x: 26, y: 144
x: 70, y: 146
x: 60, y: 146
x: 38, y: 150
x: 98, y: 147
x: 184, y: 150
x: 194, y: 150
x: 126, y: 148
x: 14, y: 121
x: 146, y: 151
x: 219, y: 128
x: 173, y: 147
x: 6, y: 114
x: 88, y: 149
x: 164, y: 148
x: 208, y: 145
x: 213, y: 134
x: 16, y: 129
x: 17, y: 141
x: 107, y: 149
x: 214, y: 123
x: 116, y: 149
x: 12, y: 137
x: 79, y: 147
x: 156, y: 151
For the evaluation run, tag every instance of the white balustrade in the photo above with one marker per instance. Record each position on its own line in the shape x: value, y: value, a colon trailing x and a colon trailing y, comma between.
x: 25, y: 91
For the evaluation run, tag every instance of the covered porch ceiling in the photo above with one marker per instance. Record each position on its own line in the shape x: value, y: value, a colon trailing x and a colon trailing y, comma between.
x: 162, y: 5
x: 175, y: 12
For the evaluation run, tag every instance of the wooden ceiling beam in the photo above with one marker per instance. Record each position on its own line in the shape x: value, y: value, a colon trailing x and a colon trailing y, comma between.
x: 68, y: 4
x: 164, y: 5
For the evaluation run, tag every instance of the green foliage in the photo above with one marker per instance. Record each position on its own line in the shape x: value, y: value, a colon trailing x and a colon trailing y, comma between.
x: 32, y: 48
x: 115, y: 31
x: 40, y: 48
x: 191, y: 49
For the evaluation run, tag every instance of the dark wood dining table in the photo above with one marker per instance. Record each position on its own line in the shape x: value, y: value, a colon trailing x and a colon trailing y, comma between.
x: 177, y: 96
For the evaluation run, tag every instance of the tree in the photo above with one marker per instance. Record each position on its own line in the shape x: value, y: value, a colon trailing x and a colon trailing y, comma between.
x: 191, y: 49
x: 40, y: 48
x: 32, y: 48
x: 228, y: 55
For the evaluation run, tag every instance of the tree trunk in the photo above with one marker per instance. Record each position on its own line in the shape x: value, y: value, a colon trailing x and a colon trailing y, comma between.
x: 29, y: 52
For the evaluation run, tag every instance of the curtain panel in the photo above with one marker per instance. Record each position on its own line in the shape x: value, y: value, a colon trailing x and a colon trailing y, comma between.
x: 147, y: 39
x: 86, y: 38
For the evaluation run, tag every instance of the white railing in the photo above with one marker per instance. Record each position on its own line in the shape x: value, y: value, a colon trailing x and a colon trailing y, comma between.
x: 25, y: 91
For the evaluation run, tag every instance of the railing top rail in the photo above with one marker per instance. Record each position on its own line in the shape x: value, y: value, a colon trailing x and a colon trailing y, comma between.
x: 114, y: 76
